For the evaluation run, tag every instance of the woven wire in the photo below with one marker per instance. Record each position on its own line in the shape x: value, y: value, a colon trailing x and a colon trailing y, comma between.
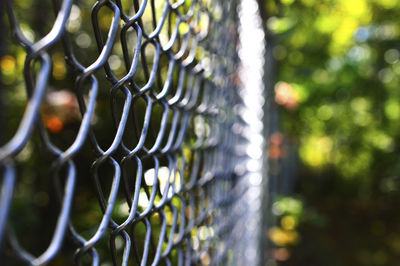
x: 166, y: 170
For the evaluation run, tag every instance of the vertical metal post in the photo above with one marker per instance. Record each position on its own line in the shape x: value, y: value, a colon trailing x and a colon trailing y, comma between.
x: 252, y: 42
x: 270, y: 121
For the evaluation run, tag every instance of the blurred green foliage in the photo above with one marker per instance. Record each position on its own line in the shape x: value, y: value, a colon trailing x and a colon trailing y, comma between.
x: 338, y: 85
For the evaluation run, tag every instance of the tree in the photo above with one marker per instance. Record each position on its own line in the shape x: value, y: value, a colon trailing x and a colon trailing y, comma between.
x: 338, y: 79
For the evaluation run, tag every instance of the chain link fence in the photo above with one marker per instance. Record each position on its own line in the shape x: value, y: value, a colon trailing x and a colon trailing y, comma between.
x: 126, y: 137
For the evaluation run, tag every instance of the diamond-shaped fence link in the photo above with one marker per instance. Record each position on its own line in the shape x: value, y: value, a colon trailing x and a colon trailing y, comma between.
x: 122, y: 139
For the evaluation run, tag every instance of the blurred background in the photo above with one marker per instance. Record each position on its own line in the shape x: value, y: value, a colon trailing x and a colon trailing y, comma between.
x: 337, y: 93
x: 334, y: 68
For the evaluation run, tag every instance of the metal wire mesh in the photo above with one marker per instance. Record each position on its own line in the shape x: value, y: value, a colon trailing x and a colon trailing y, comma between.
x: 135, y: 104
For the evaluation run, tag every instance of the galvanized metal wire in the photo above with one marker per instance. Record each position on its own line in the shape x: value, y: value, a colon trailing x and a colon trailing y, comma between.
x: 172, y: 157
